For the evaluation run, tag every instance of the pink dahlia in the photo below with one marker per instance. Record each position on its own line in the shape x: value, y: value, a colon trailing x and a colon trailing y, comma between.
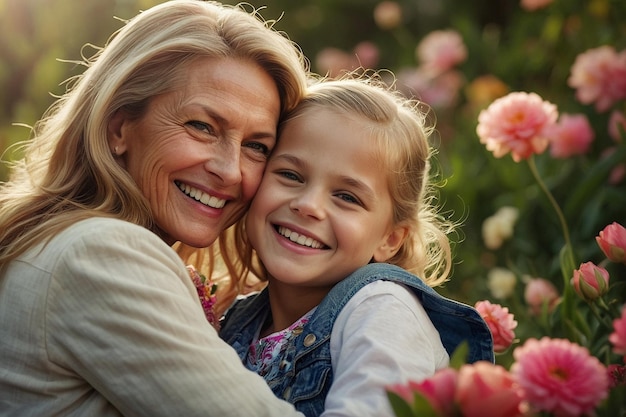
x: 618, y: 337
x: 441, y: 50
x: 516, y: 123
x: 500, y: 322
x: 560, y: 377
x: 599, y: 76
x: 572, y: 135
x: 617, y: 375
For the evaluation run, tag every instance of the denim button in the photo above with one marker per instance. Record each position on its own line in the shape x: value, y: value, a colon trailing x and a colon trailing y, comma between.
x: 309, y: 339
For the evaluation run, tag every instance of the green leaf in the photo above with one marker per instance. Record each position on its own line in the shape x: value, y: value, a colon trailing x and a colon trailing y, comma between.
x: 399, y: 406
x: 594, y: 179
x: 459, y: 356
x: 421, y: 406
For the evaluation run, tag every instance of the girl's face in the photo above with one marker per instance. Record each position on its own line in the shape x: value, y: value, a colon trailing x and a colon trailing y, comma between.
x: 323, y: 208
x: 199, y: 152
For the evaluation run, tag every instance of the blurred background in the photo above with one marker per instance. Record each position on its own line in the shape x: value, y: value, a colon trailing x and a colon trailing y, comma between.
x: 505, y: 46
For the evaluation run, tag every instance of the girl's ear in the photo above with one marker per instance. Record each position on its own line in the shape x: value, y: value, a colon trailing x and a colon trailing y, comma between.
x: 391, y: 243
x: 116, y: 133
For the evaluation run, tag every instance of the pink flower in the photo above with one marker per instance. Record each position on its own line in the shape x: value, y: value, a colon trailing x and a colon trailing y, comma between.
x: 206, y: 293
x: 590, y: 281
x: 487, y: 390
x: 599, y: 75
x: 540, y: 292
x: 440, y: 50
x: 572, y: 135
x: 559, y: 376
x: 333, y: 62
x: 617, y: 124
x: 618, y: 337
x: 532, y: 5
x: 367, y: 54
x: 500, y: 322
x: 516, y: 123
x: 612, y: 241
x: 438, y: 390
x: 441, y: 91
x: 617, y: 375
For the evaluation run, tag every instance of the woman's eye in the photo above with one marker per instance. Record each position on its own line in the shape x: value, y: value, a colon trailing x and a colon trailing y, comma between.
x: 258, y: 147
x: 201, y: 126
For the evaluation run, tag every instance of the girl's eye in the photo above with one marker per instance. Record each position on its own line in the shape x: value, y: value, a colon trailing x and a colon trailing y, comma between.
x: 349, y: 198
x: 201, y: 126
x: 289, y: 175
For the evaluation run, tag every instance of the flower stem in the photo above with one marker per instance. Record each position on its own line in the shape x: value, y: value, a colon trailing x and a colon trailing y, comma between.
x: 567, y: 261
x: 557, y: 209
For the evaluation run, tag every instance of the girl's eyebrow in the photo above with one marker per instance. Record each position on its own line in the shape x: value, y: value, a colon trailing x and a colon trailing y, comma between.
x: 364, y: 190
x: 292, y: 159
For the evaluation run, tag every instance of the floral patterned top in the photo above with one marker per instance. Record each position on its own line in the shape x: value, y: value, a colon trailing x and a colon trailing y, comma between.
x: 265, y: 355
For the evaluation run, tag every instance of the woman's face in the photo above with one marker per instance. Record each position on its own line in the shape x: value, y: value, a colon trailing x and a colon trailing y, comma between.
x: 198, y: 152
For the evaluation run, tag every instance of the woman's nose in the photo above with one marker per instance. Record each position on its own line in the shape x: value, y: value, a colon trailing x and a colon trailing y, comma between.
x: 225, y: 163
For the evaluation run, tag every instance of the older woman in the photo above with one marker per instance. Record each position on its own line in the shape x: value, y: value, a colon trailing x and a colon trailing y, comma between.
x: 163, y: 139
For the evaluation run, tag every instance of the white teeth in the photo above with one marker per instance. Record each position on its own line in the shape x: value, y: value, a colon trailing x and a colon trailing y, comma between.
x: 300, y: 239
x: 198, y: 195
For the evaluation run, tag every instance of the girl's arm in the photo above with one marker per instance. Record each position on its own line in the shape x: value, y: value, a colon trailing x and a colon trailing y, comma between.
x: 381, y: 337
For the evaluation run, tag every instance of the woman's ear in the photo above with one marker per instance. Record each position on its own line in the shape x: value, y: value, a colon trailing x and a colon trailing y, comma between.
x: 116, y: 136
x: 391, y: 243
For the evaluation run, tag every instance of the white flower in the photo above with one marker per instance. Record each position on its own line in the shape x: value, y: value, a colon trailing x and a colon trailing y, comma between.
x: 501, y: 282
x: 499, y: 227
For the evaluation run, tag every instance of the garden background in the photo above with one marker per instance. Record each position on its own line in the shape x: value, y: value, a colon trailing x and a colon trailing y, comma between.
x: 507, y: 48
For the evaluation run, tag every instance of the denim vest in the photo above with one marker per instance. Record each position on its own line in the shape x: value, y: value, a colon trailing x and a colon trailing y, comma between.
x: 307, y: 368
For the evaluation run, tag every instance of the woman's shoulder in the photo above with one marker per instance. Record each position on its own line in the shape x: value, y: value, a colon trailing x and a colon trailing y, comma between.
x: 97, y: 235
x: 103, y: 225
x: 106, y: 229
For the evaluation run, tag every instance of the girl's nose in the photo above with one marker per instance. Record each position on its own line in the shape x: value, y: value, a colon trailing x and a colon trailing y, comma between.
x: 309, y: 203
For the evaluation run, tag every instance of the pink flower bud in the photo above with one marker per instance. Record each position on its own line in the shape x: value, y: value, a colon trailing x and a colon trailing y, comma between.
x: 590, y: 281
x: 487, y: 390
x: 438, y: 390
x: 612, y: 241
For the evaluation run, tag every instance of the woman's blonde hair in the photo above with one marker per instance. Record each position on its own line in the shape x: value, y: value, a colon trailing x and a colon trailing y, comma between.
x: 402, y: 128
x: 68, y: 172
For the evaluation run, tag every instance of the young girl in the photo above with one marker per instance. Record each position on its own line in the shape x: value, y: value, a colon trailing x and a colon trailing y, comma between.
x: 343, y: 212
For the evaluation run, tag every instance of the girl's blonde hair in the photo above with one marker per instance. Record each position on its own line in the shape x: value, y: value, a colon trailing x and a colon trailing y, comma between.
x: 68, y: 172
x: 401, y: 128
